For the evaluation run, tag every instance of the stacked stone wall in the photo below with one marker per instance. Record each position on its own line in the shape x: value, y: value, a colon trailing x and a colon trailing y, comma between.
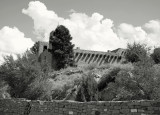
x: 27, y: 107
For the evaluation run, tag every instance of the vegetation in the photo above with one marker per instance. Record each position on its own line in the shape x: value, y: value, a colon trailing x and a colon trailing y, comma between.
x: 62, y: 48
x: 20, y: 73
x: 156, y: 55
x: 25, y: 77
x: 136, y: 52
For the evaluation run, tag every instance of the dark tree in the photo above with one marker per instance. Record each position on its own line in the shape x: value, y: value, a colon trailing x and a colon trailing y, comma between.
x: 62, y: 48
x: 156, y: 55
x: 136, y: 52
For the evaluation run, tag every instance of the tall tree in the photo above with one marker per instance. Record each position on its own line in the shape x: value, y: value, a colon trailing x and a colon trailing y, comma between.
x: 156, y: 55
x: 62, y: 47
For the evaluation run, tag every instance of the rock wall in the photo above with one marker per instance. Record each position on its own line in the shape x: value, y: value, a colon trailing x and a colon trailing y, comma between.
x: 27, y: 107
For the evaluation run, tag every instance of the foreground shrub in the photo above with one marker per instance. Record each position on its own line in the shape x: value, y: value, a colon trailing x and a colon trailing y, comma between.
x: 57, y: 88
x: 88, y: 90
x: 142, y: 82
x: 20, y: 73
x: 109, y: 88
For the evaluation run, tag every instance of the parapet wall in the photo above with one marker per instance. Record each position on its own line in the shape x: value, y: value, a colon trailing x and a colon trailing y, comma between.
x: 27, y: 107
x: 100, y: 58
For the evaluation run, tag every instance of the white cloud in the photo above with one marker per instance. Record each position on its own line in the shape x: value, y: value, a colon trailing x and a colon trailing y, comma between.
x: 88, y: 32
x: 153, y: 30
x: 152, y: 26
x: 94, y: 33
x: 91, y: 32
x: 44, y: 20
x: 149, y: 33
x: 13, y: 41
x: 131, y: 33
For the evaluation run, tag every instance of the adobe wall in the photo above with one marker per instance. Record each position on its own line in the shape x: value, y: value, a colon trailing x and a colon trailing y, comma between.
x: 26, y: 107
x: 83, y: 57
x: 98, y: 57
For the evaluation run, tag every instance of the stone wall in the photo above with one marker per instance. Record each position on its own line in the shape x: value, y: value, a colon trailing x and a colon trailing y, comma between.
x: 26, y: 107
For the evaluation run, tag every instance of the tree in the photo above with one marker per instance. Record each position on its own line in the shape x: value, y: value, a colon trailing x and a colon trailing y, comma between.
x: 20, y: 73
x: 136, y: 52
x: 156, y: 55
x: 62, y: 48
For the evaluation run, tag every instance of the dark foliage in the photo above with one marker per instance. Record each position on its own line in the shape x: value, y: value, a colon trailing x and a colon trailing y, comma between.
x: 156, y: 55
x: 62, y: 48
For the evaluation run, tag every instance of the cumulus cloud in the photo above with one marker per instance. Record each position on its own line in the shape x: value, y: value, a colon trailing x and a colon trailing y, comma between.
x: 91, y: 32
x: 44, y: 19
x: 153, y: 31
x: 149, y: 33
x: 13, y: 41
x: 131, y: 33
x: 94, y: 33
x: 88, y: 32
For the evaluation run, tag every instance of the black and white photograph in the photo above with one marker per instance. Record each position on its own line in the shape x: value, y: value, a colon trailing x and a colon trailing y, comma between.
x: 79, y: 57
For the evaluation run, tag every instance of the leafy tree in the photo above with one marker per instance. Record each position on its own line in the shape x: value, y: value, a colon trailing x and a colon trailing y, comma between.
x: 156, y: 55
x: 62, y: 48
x: 20, y: 73
x: 136, y: 52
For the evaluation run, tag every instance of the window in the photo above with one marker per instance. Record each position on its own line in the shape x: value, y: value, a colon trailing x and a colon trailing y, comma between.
x: 44, y: 48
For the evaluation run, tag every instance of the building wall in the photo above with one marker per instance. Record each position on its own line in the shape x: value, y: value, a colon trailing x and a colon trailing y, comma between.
x: 41, y: 46
x: 83, y: 57
x: 98, y: 57
x: 46, y: 57
x: 27, y: 107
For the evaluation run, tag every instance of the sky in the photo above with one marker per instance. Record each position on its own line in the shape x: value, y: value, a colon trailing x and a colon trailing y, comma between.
x: 99, y: 25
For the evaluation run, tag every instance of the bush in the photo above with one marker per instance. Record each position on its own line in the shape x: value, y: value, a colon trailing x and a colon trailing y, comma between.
x: 136, y: 52
x: 88, y: 90
x: 142, y: 82
x: 20, y: 73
